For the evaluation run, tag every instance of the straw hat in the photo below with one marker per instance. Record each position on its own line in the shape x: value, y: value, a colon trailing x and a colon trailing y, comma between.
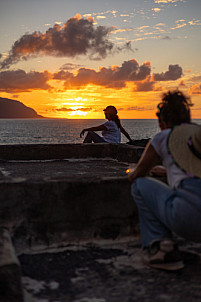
x: 185, y: 147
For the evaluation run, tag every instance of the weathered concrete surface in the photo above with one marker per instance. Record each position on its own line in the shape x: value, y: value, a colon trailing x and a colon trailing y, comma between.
x: 66, y: 200
x: 104, y: 272
x: 10, y: 272
x: 86, y: 196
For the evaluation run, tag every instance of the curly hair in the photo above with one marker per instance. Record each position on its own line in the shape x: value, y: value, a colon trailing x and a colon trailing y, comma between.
x: 174, y: 108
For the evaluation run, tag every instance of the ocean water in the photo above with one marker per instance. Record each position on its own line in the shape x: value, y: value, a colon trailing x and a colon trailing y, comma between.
x: 66, y: 131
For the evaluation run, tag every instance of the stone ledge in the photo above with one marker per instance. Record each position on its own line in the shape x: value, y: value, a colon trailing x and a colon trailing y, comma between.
x: 121, y: 152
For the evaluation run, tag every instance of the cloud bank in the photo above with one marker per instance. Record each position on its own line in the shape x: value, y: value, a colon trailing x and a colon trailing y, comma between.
x: 78, y: 36
x: 64, y: 109
x: 112, y: 77
x: 20, y: 81
x: 115, y: 77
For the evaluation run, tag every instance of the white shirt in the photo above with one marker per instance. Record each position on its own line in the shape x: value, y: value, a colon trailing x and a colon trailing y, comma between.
x: 160, y: 144
x: 113, y: 133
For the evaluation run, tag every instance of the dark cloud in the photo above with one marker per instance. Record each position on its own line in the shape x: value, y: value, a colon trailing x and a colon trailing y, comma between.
x: 77, y: 36
x: 166, y: 38
x: 182, y: 84
x: 70, y: 66
x: 146, y: 85
x: 85, y: 109
x: 116, y: 77
x: 19, y: 80
x: 113, y: 77
x: 138, y: 108
x: 64, y: 109
x: 174, y: 72
x: 63, y: 75
x: 126, y: 46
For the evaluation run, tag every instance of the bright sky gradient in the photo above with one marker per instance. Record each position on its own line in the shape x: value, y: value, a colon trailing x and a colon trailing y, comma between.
x: 70, y: 59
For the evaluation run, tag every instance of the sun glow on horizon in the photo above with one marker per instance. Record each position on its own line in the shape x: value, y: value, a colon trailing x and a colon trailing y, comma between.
x: 93, y: 99
x: 78, y: 112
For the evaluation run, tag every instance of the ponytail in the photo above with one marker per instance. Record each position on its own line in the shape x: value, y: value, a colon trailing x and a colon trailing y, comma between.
x: 116, y: 119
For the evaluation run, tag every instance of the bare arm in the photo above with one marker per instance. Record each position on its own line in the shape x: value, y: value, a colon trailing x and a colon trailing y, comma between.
x: 125, y: 133
x: 97, y: 128
x: 148, y: 159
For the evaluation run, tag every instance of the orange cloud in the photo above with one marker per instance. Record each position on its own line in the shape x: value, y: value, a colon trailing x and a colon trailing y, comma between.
x: 145, y: 85
x: 129, y: 74
x: 182, y: 84
x: 112, y: 77
x: 64, y: 109
x: 78, y: 36
x: 196, y: 78
x: 195, y: 89
x: 117, y: 77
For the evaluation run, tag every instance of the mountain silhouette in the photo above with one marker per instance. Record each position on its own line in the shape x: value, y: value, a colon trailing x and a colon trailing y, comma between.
x: 15, y: 109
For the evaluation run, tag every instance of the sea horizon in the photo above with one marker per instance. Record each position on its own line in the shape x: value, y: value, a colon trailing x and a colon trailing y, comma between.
x: 67, y: 131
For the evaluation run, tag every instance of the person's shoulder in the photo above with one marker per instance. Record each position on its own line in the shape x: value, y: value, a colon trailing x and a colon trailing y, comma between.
x: 163, y: 134
x: 110, y: 123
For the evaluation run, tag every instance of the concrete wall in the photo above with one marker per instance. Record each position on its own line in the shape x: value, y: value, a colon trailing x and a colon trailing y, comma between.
x: 48, y: 212
x: 121, y: 152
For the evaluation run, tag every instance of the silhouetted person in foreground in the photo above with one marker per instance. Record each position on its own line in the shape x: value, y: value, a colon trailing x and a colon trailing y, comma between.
x: 111, y: 130
x: 176, y: 207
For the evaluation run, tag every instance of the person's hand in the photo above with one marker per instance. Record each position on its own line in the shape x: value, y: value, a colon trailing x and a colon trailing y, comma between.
x: 130, y: 141
x: 82, y: 133
x: 130, y: 172
x: 131, y: 176
x: 158, y: 171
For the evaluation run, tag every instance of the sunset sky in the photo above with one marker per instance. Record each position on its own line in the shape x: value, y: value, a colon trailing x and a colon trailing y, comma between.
x: 70, y: 59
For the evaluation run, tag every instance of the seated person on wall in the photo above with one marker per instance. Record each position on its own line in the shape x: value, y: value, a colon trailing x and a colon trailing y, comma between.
x: 176, y: 207
x: 111, y: 130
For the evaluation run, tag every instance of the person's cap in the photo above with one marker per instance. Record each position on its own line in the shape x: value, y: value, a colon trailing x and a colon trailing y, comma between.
x: 110, y: 109
x: 184, y: 144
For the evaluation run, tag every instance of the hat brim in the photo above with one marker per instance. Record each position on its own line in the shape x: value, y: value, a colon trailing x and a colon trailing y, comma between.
x: 180, y: 151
